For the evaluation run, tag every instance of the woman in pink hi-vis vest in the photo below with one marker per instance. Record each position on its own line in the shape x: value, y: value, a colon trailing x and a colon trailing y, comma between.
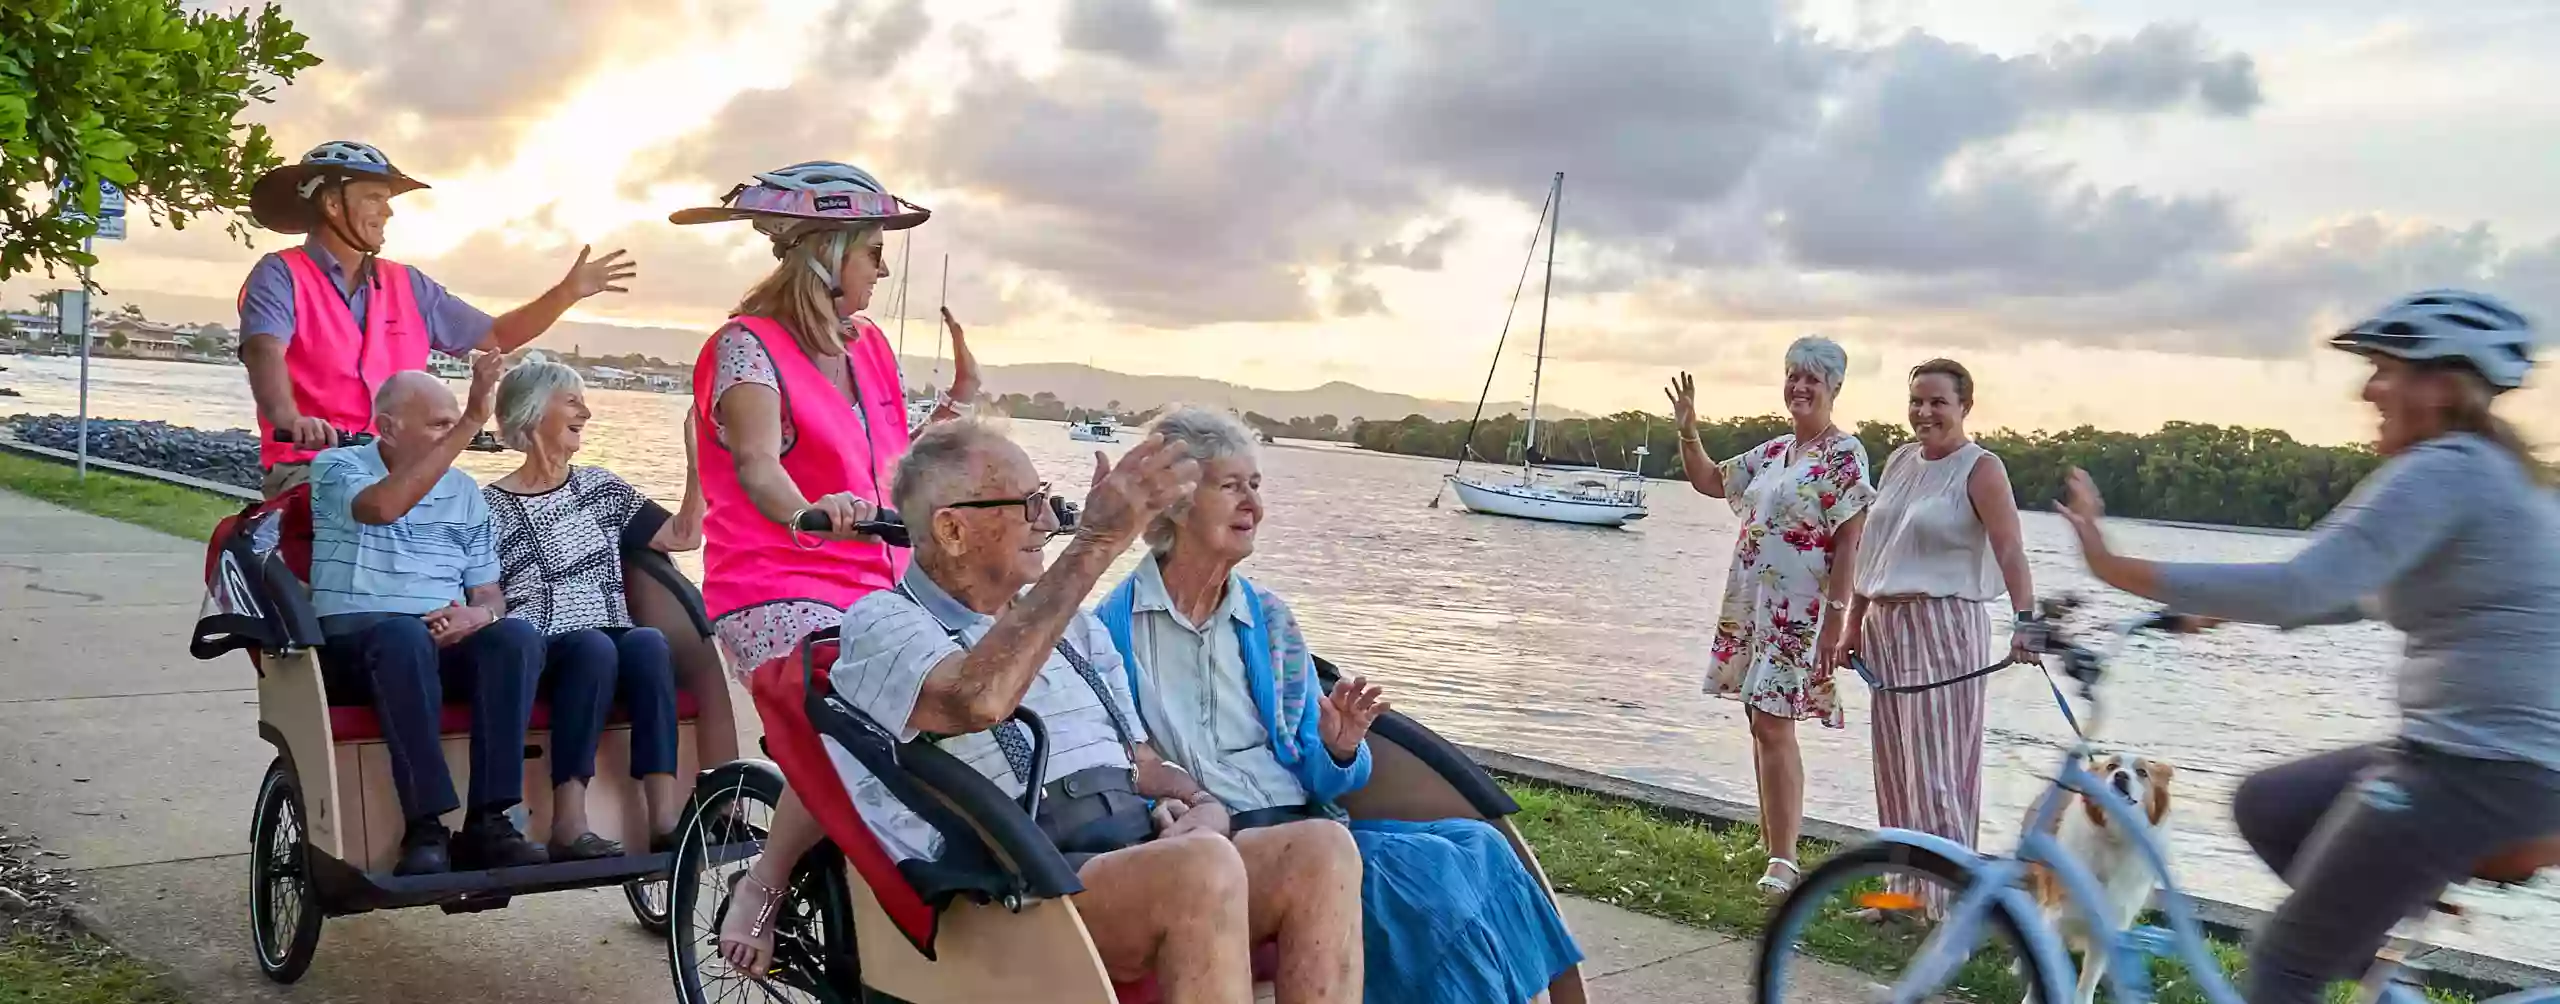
x: 807, y: 412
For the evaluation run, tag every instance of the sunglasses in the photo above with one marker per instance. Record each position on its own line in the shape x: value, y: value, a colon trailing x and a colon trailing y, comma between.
x: 1035, y: 505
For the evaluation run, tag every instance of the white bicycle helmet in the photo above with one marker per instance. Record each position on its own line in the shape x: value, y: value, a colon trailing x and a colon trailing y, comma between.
x: 2449, y: 325
x: 282, y: 200
x: 782, y: 202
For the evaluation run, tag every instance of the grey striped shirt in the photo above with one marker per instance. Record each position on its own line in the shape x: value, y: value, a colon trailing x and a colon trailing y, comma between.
x: 891, y: 643
x: 2455, y: 545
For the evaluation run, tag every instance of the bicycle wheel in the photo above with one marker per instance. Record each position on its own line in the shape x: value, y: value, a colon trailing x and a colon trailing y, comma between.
x: 284, y: 907
x: 649, y: 903
x: 723, y: 835
x: 1816, y: 948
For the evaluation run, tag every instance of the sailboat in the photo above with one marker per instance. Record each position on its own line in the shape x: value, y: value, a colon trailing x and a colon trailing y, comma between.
x: 1557, y: 493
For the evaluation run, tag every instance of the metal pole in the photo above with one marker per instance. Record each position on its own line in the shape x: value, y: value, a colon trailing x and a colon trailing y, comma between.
x: 1529, y: 446
x: 906, y: 254
x: 90, y: 245
x: 937, y: 321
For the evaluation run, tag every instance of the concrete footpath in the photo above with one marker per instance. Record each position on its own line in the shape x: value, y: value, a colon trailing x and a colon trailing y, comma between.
x: 139, y: 762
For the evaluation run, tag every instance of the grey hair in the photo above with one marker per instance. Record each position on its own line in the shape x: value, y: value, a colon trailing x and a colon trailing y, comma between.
x: 525, y: 395
x: 1821, y: 357
x: 1206, y: 434
x: 939, y: 467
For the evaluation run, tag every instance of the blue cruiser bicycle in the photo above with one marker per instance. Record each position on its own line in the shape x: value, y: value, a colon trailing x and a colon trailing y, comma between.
x: 1992, y: 936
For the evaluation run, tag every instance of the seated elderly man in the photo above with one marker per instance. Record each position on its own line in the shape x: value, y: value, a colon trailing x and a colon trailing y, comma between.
x: 1223, y: 680
x: 404, y: 576
x: 977, y: 627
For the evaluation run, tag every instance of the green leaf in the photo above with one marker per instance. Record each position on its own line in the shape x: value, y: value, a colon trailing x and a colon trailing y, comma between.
x: 139, y: 92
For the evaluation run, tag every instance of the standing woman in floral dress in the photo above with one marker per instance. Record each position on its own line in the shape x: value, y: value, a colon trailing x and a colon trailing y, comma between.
x: 1802, y: 498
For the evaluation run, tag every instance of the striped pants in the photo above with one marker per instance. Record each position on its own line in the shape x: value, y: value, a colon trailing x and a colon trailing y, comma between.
x: 1928, y: 745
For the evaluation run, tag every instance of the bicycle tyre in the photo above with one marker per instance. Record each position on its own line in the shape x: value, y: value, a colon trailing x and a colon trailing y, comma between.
x: 814, y: 956
x: 1805, y: 903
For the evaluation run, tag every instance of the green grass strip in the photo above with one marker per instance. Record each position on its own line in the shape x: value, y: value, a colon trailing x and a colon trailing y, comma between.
x: 67, y: 969
x: 168, y: 508
x: 1650, y: 862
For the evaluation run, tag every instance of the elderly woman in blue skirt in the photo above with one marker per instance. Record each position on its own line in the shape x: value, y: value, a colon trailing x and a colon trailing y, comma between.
x: 1229, y: 693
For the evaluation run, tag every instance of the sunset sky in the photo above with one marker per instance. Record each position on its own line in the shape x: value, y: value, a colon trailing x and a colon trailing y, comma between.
x: 2118, y: 213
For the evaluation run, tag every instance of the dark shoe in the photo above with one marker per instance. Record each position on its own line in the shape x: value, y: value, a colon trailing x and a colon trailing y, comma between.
x: 423, y: 850
x: 488, y: 840
x: 587, y: 847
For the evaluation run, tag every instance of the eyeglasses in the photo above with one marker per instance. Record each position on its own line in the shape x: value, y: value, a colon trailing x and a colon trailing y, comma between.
x: 1034, y: 505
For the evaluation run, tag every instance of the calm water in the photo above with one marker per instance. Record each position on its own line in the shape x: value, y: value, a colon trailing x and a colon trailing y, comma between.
x: 1587, y: 646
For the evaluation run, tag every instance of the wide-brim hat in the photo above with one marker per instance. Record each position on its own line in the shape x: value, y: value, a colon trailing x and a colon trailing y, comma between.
x: 766, y: 202
x: 280, y: 201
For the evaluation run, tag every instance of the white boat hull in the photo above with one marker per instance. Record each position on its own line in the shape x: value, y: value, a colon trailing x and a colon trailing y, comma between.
x: 1084, y: 435
x: 1552, y: 506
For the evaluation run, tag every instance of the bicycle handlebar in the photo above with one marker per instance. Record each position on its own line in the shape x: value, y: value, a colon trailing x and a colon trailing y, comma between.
x: 884, y: 524
x: 483, y: 441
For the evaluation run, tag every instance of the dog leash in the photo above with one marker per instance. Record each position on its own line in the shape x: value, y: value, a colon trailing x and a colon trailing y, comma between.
x: 1859, y: 666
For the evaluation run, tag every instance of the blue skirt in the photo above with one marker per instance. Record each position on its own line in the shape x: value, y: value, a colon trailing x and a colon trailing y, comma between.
x: 1452, y: 916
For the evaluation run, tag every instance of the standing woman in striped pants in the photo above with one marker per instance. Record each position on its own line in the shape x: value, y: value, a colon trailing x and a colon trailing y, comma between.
x: 1941, y: 544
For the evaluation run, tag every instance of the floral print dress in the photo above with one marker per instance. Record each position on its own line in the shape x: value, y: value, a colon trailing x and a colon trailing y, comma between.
x: 1792, y: 502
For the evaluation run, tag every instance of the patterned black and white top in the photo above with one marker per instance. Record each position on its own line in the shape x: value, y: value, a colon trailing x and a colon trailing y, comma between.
x: 560, y: 551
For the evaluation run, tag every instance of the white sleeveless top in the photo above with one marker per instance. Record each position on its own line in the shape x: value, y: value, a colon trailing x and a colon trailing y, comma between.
x: 1922, y: 536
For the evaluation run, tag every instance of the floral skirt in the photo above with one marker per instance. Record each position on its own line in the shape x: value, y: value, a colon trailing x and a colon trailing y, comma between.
x: 1764, y: 654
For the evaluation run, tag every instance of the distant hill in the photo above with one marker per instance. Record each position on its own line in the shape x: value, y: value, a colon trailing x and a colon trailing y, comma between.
x: 1076, y: 384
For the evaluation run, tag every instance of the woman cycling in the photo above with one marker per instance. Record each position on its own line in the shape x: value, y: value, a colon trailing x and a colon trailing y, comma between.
x: 807, y: 413
x: 2455, y: 541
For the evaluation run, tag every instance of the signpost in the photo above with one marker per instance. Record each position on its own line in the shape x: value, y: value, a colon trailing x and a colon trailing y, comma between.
x: 110, y: 227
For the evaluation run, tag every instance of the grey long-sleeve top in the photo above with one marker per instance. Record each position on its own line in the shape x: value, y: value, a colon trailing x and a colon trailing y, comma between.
x: 2455, y: 545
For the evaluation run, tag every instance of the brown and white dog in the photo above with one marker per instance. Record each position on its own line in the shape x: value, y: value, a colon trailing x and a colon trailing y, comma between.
x: 2091, y: 838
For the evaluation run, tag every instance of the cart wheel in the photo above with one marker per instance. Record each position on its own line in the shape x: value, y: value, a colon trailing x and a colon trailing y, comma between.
x: 284, y: 908
x: 649, y: 903
x: 723, y: 834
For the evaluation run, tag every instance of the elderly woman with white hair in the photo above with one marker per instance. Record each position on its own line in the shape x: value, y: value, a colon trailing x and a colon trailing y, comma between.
x: 1228, y: 691
x: 561, y: 531
x: 1802, y: 498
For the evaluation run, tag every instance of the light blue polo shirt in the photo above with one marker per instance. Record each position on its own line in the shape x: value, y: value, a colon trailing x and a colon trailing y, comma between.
x: 422, y: 562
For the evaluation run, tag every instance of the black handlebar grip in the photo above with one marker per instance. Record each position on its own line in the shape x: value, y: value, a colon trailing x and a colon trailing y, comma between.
x: 884, y: 524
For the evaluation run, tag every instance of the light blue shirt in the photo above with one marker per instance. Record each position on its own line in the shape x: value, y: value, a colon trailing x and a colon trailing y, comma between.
x: 421, y: 562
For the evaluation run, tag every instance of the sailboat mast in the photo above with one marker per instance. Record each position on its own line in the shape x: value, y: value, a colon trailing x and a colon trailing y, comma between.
x: 1555, y: 222
x: 937, y: 321
x: 906, y: 253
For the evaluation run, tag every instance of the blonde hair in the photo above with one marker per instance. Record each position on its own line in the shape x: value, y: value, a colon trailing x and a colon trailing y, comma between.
x: 796, y: 295
x: 2473, y: 412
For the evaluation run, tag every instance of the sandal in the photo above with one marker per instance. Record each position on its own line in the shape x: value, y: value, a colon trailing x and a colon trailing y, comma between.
x: 758, y: 939
x: 587, y: 847
x: 1774, y: 887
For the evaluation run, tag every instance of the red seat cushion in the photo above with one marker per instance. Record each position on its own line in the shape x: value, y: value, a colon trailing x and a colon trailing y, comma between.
x: 348, y: 725
x: 1266, y: 962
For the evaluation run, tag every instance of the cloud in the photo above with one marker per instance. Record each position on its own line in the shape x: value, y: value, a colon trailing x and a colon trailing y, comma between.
x: 1902, y: 175
x: 815, y: 117
x: 442, y: 85
x: 2271, y: 301
x: 1227, y: 153
x: 1135, y: 30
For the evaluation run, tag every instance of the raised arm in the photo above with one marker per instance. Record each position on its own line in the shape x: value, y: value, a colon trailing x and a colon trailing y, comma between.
x: 684, y: 531
x: 2400, y: 513
x: 971, y: 691
x: 385, y: 501
x: 511, y: 330
x: 1701, y: 469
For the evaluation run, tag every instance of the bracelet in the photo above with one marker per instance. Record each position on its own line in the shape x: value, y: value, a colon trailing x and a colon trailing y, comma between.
x: 800, y: 538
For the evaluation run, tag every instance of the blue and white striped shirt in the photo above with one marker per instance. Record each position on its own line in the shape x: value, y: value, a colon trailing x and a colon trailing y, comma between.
x: 422, y: 562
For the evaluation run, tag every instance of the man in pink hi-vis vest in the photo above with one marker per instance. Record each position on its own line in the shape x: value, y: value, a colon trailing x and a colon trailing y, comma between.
x: 324, y: 324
